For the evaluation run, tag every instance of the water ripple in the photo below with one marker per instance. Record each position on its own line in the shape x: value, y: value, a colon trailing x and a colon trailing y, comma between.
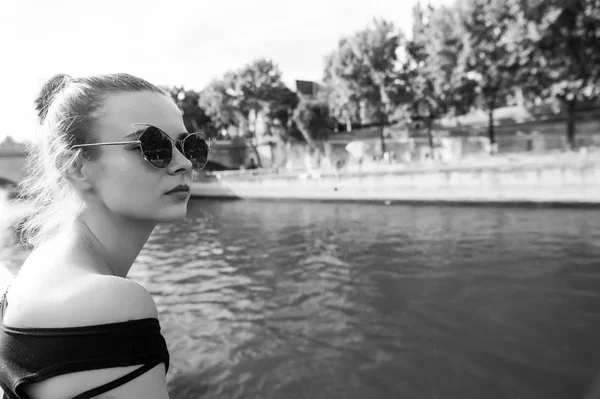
x: 298, y: 300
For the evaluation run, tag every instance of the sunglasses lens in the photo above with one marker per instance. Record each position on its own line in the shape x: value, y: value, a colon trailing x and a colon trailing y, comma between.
x: 196, y: 150
x: 156, y: 147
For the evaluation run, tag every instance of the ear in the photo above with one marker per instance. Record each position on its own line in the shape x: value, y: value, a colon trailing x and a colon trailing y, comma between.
x: 79, y: 174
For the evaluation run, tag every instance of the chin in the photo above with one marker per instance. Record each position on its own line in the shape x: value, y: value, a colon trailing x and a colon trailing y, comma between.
x: 171, y: 215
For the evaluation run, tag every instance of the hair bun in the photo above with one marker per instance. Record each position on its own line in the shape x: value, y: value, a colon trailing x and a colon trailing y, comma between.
x: 50, y: 89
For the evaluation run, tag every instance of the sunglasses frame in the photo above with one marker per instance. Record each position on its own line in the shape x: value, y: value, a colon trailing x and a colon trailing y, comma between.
x: 174, y: 144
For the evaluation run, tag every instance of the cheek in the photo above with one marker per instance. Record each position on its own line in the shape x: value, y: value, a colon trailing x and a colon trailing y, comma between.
x: 128, y: 185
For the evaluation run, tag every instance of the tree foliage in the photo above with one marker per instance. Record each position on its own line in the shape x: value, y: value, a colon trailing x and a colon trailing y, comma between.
x: 435, y: 83
x: 363, y: 74
x: 495, y: 55
x: 221, y: 101
x: 261, y: 86
x: 257, y: 88
x: 474, y: 53
x: 312, y: 120
x: 566, y: 62
x: 194, y: 117
x: 343, y: 100
x: 280, y: 112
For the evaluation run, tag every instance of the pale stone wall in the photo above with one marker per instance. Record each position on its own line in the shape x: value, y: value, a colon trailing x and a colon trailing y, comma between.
x: 573, y: 182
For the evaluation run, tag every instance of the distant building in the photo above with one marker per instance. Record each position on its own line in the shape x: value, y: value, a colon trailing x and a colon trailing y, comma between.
x: 307, y: 88
x: 10, y: 147
x: 7, y: 142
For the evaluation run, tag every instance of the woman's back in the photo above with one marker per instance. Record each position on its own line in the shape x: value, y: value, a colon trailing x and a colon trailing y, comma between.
x: 59, y: 296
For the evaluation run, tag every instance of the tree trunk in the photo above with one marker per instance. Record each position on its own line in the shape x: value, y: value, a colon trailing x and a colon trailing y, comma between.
x: 491, y: 132
x: 430, y: 135
x: 382, y: 138
x: 383, y: 120
x: 258, y: 139
x: 242, y: 125
x: 272, y: 150
x: 571, y: 121
x: 305, y: 133
x: 255, y: 150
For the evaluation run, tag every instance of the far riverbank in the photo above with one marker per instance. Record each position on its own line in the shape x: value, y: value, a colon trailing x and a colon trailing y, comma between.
x: 549, y: 179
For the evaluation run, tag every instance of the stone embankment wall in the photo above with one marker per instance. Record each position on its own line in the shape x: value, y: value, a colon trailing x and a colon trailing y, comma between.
x: 576, y: 181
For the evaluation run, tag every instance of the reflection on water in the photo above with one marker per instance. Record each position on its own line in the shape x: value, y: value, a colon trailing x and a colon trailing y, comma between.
x: 314, y: 300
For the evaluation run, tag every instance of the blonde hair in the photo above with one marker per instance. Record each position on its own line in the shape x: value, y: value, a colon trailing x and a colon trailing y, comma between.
x: 67, y: 110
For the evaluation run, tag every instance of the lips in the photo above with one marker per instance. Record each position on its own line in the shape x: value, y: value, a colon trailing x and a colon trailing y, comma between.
x: 180, y: 188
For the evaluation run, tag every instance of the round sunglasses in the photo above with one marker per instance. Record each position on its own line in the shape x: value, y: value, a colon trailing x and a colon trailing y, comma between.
x: 157, y: 146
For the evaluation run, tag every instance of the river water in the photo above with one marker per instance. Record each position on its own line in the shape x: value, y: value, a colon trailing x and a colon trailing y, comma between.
x: 322, y: 300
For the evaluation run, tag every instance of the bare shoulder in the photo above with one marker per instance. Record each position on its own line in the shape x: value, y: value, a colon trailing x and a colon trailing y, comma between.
x: 119, y: 299
x: 86, y: 300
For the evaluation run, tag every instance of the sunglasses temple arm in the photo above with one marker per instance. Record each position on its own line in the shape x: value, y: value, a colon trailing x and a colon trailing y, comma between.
x: 109, y: 143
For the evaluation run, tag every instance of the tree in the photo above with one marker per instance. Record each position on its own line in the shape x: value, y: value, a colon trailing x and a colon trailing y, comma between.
x: 262, y: 90
x: 280, y: 111
x: 223, y: 100
x: 566, y: 65
x: 256, y: 89
x: 313, y: 121
x: 494, y: 54
x: 435, y: 84
x: 363, y: 73
x: 194, y: 117
x: 220, y: 99
x: 343, y: 100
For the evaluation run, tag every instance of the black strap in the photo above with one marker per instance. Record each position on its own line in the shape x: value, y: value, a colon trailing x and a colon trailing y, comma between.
x: 116, y: 383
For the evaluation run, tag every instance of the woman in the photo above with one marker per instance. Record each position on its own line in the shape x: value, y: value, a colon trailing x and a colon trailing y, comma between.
x: 114, y: 160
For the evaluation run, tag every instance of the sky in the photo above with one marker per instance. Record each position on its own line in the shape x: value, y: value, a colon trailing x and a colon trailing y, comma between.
x: 174, y: 42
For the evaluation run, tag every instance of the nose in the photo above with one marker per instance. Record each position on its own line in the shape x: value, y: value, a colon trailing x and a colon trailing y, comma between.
x: 179, y: 163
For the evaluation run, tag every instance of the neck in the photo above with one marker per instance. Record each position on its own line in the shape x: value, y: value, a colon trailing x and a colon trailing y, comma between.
x: 118, y: 240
